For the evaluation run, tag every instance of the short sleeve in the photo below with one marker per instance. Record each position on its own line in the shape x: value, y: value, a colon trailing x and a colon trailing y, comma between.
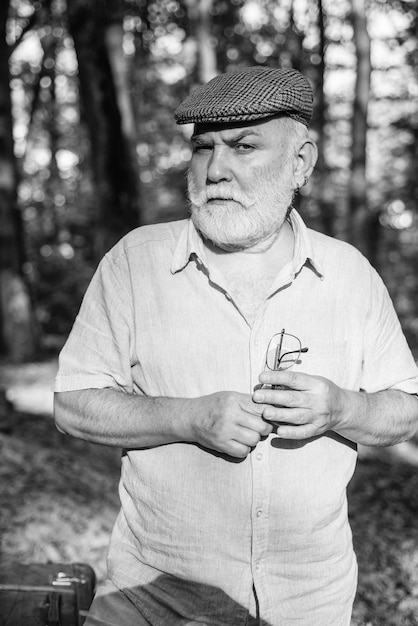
x: 98, y: 351
x: 388, y: 361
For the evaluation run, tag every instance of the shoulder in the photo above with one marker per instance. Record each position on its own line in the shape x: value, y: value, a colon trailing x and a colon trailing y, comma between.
x: 152, y: 234
x: 345, y: 268
x: 158, y: 237
x: 333, y: 252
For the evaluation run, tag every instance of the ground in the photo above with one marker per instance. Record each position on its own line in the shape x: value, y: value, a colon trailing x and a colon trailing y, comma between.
x: 59, y: 500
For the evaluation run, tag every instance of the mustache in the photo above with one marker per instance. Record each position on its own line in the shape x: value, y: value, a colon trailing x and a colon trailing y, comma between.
x: 223, y: 191
x: 218, y: 191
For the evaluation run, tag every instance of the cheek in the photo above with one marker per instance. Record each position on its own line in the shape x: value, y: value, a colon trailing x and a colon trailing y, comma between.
x: 198, y: 172
x: 246, y: 177
x: 278, y: 173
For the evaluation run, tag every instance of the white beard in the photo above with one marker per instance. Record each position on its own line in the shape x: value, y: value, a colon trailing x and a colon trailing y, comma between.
x: 238, y: 221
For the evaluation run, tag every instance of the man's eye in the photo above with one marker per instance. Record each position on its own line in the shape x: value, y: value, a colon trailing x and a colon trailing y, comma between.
x: 202, y: 147
x: 243, y: 147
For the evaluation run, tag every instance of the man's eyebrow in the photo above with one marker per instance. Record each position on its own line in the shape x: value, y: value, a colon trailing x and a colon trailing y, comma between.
x: 243, y: 134
x: 246, y: 132
x: 199, y: 139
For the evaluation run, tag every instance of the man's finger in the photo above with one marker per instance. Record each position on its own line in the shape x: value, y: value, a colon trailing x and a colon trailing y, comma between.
x: 252, y: 408
x: 296, y: 432
x: 294, y: 380
x: 255, y: 422
x: 248, y: 437
x: 238, y: 449
x: 288, y: 398
x: 290, y: 416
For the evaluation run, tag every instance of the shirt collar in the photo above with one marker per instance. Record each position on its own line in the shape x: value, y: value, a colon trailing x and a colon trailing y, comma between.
x: 190, y: 245
x: 304, y: 250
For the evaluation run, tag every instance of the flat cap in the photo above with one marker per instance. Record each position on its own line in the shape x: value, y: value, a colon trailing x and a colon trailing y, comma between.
x: 249, y: 94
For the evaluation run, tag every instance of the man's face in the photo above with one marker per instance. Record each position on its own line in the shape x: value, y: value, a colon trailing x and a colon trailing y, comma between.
x: 241, y: 181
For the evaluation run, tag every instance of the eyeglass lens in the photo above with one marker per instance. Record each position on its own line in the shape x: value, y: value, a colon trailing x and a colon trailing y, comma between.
x: 283, y: 351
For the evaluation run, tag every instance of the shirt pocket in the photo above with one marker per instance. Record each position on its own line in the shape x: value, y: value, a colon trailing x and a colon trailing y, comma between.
x: 329, y: 359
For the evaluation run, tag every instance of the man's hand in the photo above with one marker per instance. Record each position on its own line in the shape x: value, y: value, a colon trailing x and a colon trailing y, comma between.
x: 309, y: 407
x: 229, y: 422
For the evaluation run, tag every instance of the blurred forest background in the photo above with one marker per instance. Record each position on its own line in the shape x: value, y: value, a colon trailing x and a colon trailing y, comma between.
x: 89, y: 150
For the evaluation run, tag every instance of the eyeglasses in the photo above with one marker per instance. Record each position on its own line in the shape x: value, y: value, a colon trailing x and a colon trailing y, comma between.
x: 283, y: 352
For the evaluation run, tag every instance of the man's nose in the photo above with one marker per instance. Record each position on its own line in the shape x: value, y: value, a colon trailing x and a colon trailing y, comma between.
x: 219, y: 166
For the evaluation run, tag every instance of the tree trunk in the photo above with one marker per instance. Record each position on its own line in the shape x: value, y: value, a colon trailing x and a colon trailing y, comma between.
x: 201, y: 28
x: 18, y: 331
x: 294, y: 41
x: 361, y: 225
x: 207, y: 64
x: 326, y: 204
x: 96, y: 27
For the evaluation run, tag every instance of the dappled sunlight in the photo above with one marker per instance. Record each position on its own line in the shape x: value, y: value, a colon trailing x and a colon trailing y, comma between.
x: 89, y: 150
x: 29, y: 387
x: 383, y: 508
x: 59, y: 497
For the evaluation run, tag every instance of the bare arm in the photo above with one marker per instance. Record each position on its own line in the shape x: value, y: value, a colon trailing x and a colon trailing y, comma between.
x: 314, y: 405
x: 227, y: 422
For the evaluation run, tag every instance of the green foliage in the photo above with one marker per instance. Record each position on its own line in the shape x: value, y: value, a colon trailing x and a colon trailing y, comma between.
x: 162, y: 50
x: 60, y: 288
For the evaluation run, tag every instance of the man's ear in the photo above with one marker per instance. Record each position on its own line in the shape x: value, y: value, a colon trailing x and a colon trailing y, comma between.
x: 306, y: 160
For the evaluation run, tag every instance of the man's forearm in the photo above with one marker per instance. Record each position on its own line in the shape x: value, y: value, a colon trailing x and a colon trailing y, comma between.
x: 227, y: 421
x: 378, y: 419
x: 111, y: 417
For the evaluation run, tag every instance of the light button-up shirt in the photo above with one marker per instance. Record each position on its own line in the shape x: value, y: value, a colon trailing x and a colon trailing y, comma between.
x: 206, y: 539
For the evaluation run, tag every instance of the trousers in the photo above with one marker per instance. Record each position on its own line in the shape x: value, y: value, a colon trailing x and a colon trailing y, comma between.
x: 111, y: 607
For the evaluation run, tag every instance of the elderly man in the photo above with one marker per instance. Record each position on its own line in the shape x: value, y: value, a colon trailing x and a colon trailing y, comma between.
x: 237, y: 358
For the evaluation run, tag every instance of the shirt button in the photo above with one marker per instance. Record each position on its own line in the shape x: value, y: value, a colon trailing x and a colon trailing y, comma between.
x: 259, y: 456
x: 259, y: 512
x: 257, y: 566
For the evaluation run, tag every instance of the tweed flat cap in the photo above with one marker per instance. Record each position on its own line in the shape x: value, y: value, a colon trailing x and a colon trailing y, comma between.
x: 249, y: 94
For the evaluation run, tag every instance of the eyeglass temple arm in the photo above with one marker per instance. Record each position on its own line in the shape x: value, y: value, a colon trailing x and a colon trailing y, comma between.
x: 291, y: 352
x: 278, y: 356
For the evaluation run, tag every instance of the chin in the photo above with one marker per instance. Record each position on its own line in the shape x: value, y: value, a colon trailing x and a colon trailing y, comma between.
x: 233, y: 228
x: 228, y: 241
x: 229, y: 246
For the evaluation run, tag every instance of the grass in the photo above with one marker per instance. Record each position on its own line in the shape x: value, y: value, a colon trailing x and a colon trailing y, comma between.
x: 383, y: 506
x: 59, y: 498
